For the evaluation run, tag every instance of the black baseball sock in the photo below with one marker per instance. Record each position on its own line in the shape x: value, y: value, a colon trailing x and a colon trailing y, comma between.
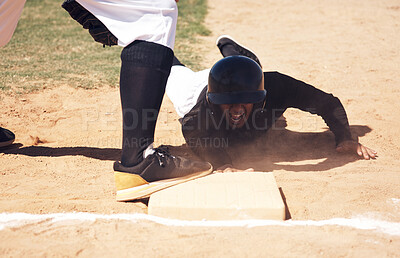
x: 144, y: 72
x: 175, y: 61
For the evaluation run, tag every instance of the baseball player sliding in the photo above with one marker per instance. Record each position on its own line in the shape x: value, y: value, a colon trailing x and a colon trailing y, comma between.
x: 235, y: 103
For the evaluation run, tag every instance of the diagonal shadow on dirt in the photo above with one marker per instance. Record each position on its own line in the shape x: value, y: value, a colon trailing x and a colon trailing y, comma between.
x: 44, y: 151
x: 279, y: 150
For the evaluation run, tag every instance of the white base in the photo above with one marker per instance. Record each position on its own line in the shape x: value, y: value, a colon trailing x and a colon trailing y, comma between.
x: 221, y: 196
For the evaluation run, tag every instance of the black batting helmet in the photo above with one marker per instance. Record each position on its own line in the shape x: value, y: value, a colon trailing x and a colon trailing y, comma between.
x: 236, y: 79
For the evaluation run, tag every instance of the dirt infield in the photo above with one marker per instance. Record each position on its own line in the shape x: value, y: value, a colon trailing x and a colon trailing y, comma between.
x: 67, y: 140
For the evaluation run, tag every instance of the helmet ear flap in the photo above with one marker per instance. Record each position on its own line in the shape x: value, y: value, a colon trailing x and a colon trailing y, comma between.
x: 235, y: 79
x: 259, y: 105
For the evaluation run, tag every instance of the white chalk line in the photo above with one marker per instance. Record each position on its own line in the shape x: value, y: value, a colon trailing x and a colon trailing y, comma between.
x: 12, y: 220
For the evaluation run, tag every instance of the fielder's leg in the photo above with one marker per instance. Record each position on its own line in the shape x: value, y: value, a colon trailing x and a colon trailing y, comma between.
x: 144, y: 170
x: 144, y: 73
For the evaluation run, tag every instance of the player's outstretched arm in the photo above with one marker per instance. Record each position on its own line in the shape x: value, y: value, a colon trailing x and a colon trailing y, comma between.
x: 352, y: 146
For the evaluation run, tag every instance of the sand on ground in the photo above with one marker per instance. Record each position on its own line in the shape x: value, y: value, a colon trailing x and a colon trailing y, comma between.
x: 67, y: 140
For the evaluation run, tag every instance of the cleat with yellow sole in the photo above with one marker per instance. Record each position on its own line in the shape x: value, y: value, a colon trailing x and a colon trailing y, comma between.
x: 157, y: 171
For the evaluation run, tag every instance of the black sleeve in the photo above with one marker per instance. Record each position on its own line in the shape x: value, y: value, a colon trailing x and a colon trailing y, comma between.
x: 205, y: 142
x: 298, y: 94
x: 96, y: 28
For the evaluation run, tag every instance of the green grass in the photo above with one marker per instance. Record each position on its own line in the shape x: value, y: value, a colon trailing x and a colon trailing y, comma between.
x: 190, y: 25
x: 50, y: 49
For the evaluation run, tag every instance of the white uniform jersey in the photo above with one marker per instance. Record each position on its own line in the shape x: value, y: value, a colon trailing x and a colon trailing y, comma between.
x: 184, y: 87
x: 130, y: 20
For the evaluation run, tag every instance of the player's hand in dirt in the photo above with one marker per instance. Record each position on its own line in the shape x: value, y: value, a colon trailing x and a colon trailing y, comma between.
x: 228, y: 168
x: 355, y: 147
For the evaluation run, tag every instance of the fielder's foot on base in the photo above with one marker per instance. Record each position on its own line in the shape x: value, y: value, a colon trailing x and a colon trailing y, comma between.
x: 227, y: 46
x: 156, y: 172
x: 6, y: 137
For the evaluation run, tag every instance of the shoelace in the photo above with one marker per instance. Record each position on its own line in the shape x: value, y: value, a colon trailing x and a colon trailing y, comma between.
x: 162, y: 153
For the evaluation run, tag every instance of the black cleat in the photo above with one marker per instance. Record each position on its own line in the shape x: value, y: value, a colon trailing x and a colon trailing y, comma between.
x: 225, y: 40
x: 156, y: 172
x: 6, y: 137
